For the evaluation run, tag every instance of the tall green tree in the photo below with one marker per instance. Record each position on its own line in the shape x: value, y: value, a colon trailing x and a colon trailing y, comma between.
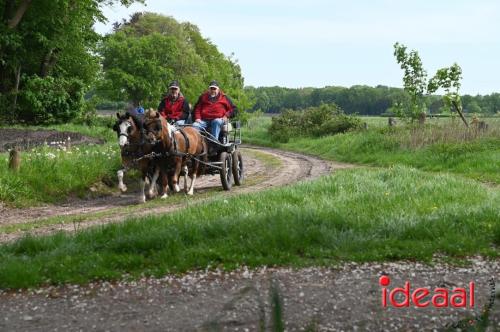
x: 47, y: 47
x: 414, y: 81
x: 145, y: 52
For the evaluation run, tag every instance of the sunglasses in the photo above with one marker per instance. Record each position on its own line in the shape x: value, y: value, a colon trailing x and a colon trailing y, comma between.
x: 212, y: 88
x: 174, y: 88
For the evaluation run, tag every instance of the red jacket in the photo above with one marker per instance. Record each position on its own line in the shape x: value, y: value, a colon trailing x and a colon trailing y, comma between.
x: 207, y: 109
x: 174, y: 109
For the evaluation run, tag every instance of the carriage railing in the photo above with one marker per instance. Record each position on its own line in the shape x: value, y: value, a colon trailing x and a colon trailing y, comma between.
x: 236, y: 131
x: 233, y: 133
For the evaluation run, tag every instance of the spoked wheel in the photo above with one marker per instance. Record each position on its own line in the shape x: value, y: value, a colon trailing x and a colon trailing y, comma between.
x: 226, y: 172
x: 238, y: 168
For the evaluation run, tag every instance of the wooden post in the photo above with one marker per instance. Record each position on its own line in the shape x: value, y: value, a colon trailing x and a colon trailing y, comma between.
x: 14, y: 159
x: 68, y: 143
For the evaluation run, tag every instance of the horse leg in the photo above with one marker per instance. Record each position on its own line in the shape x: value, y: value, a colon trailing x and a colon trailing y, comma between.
x: 121, y: 185
x: 152, y: 185
x: 193, y: 177
x: 186, y: 171
x: 142, y: 183
x: 164, y: 183
x: 175, y: 179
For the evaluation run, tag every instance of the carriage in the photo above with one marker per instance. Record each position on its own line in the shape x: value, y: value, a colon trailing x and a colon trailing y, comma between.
x: 224, y: 156
x: 162, y: 152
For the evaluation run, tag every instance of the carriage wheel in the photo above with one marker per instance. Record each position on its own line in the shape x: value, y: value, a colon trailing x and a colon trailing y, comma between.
x: 238, y: 168
x: 226, y: 173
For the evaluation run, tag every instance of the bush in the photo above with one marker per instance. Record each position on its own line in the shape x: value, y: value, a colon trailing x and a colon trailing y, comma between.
x: 285, y: 125
x: 338, y: 124
x: 50, y: 100
x: 327, y: 119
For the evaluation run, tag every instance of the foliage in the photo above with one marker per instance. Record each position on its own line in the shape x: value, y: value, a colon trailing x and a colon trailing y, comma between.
x: 353, y: 215
x: 50, y: 100
x: 414, y: 81
x: 47, y: 38
x: 146, y: 52
x: 449, y: 80
x: 327, y: 119
x: 136, y: 68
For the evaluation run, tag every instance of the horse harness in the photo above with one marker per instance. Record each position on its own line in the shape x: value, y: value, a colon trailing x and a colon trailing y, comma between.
x: 173, y: 150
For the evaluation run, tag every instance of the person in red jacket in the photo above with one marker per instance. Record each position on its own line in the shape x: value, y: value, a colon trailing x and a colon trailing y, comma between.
x: 173, y: 106
x: 212, y: 110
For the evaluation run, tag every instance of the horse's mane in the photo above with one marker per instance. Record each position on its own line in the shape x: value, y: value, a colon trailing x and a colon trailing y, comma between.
x: 151, y: 113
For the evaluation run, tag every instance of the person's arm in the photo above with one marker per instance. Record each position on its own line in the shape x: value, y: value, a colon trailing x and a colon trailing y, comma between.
x: 161, y: 107
x: 185, y: 110
x: 197, y: 110
x: 233, y: 110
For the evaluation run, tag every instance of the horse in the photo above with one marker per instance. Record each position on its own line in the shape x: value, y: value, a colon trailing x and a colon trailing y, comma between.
x: 133, y: 149
x: 179, y: 148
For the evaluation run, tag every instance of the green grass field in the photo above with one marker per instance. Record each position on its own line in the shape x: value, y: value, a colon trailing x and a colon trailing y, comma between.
x: 50, y: 175
x: 353, y: 215
x: 436, y: 148
x: 425, y: 201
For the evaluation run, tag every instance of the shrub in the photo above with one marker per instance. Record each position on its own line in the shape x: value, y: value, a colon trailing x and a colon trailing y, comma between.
x: 327, y: 119
x: 50, y: 100
x: 284, y: 126
x: 338, y: 124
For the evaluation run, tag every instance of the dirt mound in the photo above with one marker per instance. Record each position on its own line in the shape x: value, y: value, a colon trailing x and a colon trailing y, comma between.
x: 26, y: 139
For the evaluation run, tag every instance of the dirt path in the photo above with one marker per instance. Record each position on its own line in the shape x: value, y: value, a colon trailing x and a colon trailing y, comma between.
x: 294, y: 167
x: 344, y: 298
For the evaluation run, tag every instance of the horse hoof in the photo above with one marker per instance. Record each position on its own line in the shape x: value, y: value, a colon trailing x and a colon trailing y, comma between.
x: 177, y: 189
x: 190, y: 193
x: 123, y: 189
x: 142, y: 199
x: 164, y: 196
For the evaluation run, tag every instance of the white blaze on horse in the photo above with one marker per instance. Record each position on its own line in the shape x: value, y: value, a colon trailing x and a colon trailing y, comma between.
x: 181, y: 149
x: 133, y: 149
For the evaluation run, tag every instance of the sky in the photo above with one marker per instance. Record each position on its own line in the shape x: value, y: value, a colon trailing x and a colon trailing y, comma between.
x: 317, y: 43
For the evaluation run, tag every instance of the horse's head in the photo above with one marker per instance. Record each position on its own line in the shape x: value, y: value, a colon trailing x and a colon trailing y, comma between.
x: 125, y: 128
x: 156, y: 127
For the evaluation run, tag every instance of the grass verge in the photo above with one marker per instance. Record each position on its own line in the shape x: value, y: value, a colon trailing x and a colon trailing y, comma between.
x: 400, y: 213
x: 432, y: 148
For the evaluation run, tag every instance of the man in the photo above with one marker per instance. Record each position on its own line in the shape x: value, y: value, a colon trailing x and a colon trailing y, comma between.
x: 213, y: 109
x: 174, y: 107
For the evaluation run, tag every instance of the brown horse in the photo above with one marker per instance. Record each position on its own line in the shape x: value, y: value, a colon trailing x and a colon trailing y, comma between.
x: 179, y: 148
x: 132, y: 149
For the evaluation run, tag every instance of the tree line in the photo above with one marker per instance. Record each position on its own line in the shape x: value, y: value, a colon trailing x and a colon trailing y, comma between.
x: 360, y: 99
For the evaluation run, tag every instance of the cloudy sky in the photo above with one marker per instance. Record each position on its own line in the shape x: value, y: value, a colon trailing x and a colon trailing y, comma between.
x: 331, y: 42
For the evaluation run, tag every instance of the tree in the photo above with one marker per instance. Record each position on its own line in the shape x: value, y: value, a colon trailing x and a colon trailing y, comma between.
x: 414, y: 81
x: 144, y: 53
x: 42, y: 39
x: 449, y: 80
x: 415, y: 84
